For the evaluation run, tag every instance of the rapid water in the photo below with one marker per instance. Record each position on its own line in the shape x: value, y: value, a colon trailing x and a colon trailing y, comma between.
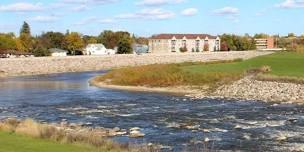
x: 178, y: 123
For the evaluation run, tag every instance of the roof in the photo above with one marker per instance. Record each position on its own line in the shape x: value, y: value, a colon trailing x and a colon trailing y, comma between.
x: 98, y: 45
x: 53, y: 50
x: 181, y: 36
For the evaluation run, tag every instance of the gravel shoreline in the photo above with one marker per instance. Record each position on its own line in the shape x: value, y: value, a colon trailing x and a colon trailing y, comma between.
x: 247, y: 88
x: 50, y: 65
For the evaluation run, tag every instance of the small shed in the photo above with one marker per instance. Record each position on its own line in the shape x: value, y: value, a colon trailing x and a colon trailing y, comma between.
x: 58, y: 52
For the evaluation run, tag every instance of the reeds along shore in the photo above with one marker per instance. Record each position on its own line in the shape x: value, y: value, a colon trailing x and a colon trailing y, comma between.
x: 65, y: 134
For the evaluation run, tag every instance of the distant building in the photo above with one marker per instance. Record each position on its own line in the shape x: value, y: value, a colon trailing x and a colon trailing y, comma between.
x: 58, y: 52
x: 140, y: 48
x: 264, y: 43
x: 98, y: 49
x: 172, y: 43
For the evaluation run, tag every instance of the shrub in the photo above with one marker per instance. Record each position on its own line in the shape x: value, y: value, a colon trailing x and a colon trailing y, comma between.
x: 183, y: 49
x: 206, y: 47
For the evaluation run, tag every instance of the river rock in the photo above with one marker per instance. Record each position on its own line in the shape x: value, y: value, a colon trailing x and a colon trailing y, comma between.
x: 136, y: 134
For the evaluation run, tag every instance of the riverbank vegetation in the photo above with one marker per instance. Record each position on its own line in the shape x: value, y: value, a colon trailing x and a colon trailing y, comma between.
x: 31, y: 136
x: 278, y: 65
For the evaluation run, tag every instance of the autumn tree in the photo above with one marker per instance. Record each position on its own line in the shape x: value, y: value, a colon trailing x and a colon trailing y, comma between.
x: 73, y: 42
x: 26, y: 38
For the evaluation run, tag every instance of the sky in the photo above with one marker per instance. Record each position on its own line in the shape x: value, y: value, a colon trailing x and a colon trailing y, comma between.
x: 148, y: 17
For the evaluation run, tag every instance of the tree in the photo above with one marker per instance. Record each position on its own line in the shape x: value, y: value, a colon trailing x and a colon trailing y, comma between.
x: 260, y: 36
x: 291, y: 35
x: 25, y: 29
x: 26, y: 38
x: 206, y: 47
x: 107, y: 38
x: 124, y: 46
x: 89, y: 39
x: 183, y: 49
x: 224, y: 47
x: 73, y: 42
x: 52, y: 39
x: 7, y: 41
x: 41, y: 51
x: 111, y: 39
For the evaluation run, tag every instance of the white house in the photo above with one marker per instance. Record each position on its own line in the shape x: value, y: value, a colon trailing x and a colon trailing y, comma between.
x: 98, y: 49
x: 58, y: 52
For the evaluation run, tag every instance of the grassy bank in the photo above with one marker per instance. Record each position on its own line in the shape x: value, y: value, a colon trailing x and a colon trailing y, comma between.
x: 283, y: 64
x: 31, y: 136
x: 11, y: 142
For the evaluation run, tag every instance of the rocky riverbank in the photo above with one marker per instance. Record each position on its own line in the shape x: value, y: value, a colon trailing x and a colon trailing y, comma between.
x: 49, y: 65
x: 251, y: 89
x: 248, y: 88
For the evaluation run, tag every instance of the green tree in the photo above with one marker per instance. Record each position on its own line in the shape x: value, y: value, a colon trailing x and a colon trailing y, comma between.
x: 260, y: 36
x: 52, y: 39
x: 7, y: 41
x: 124, y: 46
x: 25, y: 29
x: 111, y: 39
x: 41, y: 51
x: 73, y: 42
x: 108, y: 39
x: 89, y: 39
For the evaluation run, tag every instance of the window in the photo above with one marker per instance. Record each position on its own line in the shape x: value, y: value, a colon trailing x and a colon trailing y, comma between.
x: 184, y: 43
x: 197, y: 44
x: 173, y: 45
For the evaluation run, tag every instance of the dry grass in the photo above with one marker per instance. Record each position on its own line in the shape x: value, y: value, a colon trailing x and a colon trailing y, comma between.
x: 281, y: 79
x: 164, y: 75
x: 34, y: 129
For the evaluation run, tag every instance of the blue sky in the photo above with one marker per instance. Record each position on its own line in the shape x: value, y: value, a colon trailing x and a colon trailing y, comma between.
x: 147, y: 17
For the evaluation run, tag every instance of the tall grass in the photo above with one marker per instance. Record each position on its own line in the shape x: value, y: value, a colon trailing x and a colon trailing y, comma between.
x: 34, y: 129
x: 163, y: 75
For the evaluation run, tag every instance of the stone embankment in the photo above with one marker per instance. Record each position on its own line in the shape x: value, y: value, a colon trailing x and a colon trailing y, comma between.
x: 249, y: 88
x: 48, y: 65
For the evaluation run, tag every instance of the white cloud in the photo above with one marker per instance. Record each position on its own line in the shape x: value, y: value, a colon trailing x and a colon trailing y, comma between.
x: 158, y: 2
x: 45, y: 19
x: 230, y: 11
x: 92, y: 20
x: 21, y: 7
x: 190, y: 12
x: 155, y: 14
x: 89, y: 1
x: 80, y: 8
x: 291, y: 4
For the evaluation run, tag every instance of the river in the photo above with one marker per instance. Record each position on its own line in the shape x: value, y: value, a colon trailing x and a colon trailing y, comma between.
x: 178, y: 123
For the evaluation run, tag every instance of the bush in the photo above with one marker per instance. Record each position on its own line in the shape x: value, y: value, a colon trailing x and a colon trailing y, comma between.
x: 41, y: 51
x: 183, y: 49
x: 206, y: 47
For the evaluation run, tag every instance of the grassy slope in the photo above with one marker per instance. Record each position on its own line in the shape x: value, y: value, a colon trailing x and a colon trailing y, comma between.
x: 10, y: 142
x: 282, y: 64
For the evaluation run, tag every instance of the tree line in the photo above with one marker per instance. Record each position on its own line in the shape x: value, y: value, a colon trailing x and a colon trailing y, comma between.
x: 247, y: 42
x: 73, y: 42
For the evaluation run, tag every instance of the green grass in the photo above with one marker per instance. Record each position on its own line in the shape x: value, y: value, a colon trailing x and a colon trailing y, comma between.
x: 285, y: 64
x: 11, y: 142
x: 282, y: 64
